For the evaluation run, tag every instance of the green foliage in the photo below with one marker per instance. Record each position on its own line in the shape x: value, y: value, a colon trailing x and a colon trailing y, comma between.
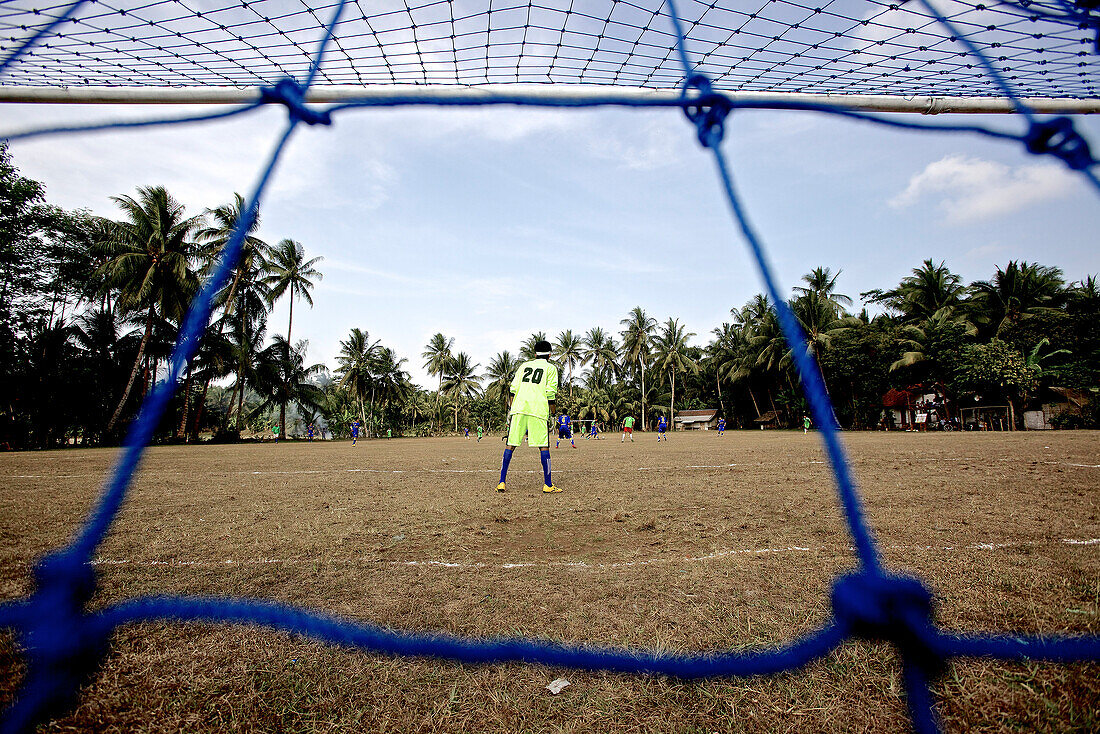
x: 996, y: 367
x: 90, y: 310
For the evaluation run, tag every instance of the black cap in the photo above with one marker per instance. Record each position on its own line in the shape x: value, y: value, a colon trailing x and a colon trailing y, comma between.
x: 542, y: 348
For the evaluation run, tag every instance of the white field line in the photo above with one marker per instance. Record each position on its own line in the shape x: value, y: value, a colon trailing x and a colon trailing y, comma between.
x: 579, y: 564
x: 515, y: 471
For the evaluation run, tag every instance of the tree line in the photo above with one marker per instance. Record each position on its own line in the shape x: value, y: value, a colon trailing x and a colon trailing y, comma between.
x: 92, y: 306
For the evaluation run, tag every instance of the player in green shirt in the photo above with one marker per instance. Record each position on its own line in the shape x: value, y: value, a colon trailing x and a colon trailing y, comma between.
x: 532, y: 395
x: 628, y: 428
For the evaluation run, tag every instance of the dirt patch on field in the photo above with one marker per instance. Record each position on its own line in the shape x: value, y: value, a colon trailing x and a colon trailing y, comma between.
x: 696, y: 544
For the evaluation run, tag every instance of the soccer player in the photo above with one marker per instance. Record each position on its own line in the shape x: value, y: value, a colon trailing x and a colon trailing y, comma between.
x: 354, y: 432
x: 721, y: 426
x: 309, y: 432
x: 662, y: 424
x: 275, y: 430
x: 628, y: 429
x: 594, y: 431
x: 479, y: 434
x: 806, y: 423
x: 467, y: 434
x: 564, y: 431
x: 532, y: 396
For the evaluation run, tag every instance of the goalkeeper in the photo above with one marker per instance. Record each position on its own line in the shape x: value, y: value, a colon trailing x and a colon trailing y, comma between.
x: 532, y: 397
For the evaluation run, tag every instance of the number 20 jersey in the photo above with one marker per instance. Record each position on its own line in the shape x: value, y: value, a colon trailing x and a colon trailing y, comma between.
x: 535, y: 384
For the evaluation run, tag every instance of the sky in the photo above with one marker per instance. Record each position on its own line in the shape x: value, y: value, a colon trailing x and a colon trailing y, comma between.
x: 489, y: 225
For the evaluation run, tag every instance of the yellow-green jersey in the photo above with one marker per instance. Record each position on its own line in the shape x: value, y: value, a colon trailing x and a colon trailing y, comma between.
x: 533, y: 387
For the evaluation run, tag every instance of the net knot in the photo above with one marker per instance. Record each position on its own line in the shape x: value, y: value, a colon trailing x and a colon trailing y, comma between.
x: 707, y: 110
x: 896, y: 609
x: 287, y: 93
x: 1058, y: 137
x: 64, y: 644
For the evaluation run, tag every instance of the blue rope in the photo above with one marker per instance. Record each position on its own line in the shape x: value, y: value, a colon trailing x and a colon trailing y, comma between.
x: 377, y: 639
x: 65, y: 644
x: 124, y: 124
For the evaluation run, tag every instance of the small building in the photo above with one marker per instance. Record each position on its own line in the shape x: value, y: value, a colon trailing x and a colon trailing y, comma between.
x: 915, y: 408
x: 768, y: 420
x: 1055, y: 406
x: 696, y: 420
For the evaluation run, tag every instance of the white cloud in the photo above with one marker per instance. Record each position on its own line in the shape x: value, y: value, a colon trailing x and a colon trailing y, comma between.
x: 969, y: 190
x: 650, y: 143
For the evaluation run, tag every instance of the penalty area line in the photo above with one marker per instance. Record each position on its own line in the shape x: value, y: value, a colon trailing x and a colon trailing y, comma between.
x: 725, y: 553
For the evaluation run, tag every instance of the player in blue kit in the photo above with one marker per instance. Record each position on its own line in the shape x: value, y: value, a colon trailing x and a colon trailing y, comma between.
x: 309, y: 432
x: 564, y: 430
x: 354, y: 432
x: 721, y: 426
x: 662, y: 424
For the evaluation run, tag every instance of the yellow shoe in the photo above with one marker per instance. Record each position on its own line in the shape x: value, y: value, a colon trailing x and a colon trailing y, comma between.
x: 500, y: 487
x: 550, y: 488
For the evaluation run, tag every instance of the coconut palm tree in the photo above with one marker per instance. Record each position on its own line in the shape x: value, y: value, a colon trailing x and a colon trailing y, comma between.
x: 822, y: 283
x: 502, y: 368
x: 601, y: 351
x: 461, y: 382
x: 437, y: 353
x: 288, y: 272
x: 356, y: 364
x: 213, y: 239
x: 282, y: 377
x: 672, y: 357
x: 246, y: 337
x: 527, y: 349
x: 921, y: 295
x: 916, y: 339
x: 725, y: 354
x: 637, y: 345
x: 569, y: 352
x: 1020, y: 290
x: 149, y: 263
x: 391, y: 382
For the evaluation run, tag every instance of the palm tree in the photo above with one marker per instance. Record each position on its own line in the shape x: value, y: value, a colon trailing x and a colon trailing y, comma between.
x: 725, y: 354
x: 247, y: 338
x: 215, y: 237
x: 601, y: 351
x: 282, y: 378
x: 390, y: 381
x: 638, y: 344
x: 437, y: 353
x: 149, y: 263
x: 213, y: 360
x: 672, y: 357
x: 822, y: 283
x: 920, y: 295
x: 289, y: 272
x: 461, y: 381
x: 357, y: 359
x: 1019, y: 291
x: 917, y: 339
x: 527, y: 349
x: 502, y: 368
x: 569, y: 349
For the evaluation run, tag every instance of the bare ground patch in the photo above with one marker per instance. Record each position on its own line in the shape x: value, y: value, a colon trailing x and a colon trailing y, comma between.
x: 694, y: 544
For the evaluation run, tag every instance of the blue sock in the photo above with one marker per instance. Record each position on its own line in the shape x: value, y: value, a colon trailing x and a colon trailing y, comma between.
x: 507, y: 461
x: 545, y: 455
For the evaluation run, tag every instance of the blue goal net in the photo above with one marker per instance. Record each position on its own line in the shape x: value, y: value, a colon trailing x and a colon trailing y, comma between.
x: 704, y: 60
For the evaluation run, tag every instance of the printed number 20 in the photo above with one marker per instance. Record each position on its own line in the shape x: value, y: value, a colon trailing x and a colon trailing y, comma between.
x: 532, y: 375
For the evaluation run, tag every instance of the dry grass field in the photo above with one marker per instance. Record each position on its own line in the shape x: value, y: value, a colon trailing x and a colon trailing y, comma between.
x: 698, y: 543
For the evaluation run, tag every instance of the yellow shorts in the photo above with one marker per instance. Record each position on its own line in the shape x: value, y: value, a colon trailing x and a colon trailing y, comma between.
x: 533, y: 426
